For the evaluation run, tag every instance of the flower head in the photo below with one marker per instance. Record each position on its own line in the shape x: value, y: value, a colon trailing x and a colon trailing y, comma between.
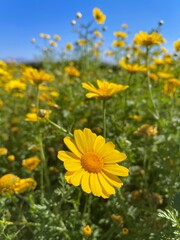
x: 92, y: 163
x: 148, y: 39
x: 31, y: 163
x: 132, y: 68
x: 99, y: 16
x: 87, y: 231
x: 105, y: 90
x: 147, y: 130
x: 177, y: 45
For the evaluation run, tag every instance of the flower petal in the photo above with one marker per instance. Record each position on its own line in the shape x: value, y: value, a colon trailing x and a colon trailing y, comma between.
x: 80, y: 141
x: 85, y: 182
x: 115, y: 157
x: 68, y: 176
x: 92, y: 95
x: 107, y: 149
x: 108, y: 188
x: 76, y: 177
x: 98, y: 144
x: 95, y: 185
x: 116, y: 169
x: 72, y: 166
x: 66, y: 155
x: 90, y: 138
x: 70, y: 143
x: 112, y: 179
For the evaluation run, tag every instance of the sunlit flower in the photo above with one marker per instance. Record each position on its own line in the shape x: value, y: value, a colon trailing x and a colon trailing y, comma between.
x: 118, y: 44
x: 92, y: 163
x: 147, y: 130
x: 165, y: 75
x: 170, y: 86
x: 124, y: 26
x: 81, y: 42
x: 120, y: 34
x: 73, y: 22
x: 87, y: 231
x: 99, y: 16
x: 69, y: 46
x: 105, y: 89
x: 153, y: 76
x: 31, y: 163
x: 177, y: 45
x: 79, y: 15
x: 8, y: 182
x: 44, y: 35
x: 97, y: 33
x: 15, y: 85
x: 37, y: 76
x: 57, y: 37
x: 148, y: 39
x: 3, y: 151
x: 72, y: 71
x: 11, y: 158
x: 132, y: 68
x: 31, y: 117
x: 53, y: 43
x: 24, y: 185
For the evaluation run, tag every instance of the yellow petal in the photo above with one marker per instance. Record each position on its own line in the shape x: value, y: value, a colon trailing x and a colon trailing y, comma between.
x: 115, y: 157
x: 116, y: 170
x: 85, y: 182
x: 90, y: 138
x: 95, y: 185
x: 112, y: 179
x: 92, y: 95
x: 80, y: 141
x: 73, y: 166
x: 108, y: 188
x: 70, y: 143
x: 107, y: 149
x: 68, y: 176
x: 98, y: 144
x: 65, y: 155
x: 76, y: 177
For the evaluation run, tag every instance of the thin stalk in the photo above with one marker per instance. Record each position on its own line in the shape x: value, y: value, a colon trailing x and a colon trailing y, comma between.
x: 104, y: 118
x: 59, y: 127
x: 150, y: 86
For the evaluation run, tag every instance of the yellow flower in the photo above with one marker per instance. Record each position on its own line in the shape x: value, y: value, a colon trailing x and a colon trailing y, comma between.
x: 69, y: 46
x: 7, y: 183
x: 105, y: 90
x: 148, y: 39
x: 81, y: 42
x: 53, y: 43
x: 132, y: 68
x: 31, y: 163
x: 120, y: 34
x: 37, y: 76
x: 177, y: 45
x: 92, y: 163
x: 31, y: 117
x: 72, y: 71
x: 117, y: 218
x: 146, y: 130
x: 57, y: 37
x: 125, y: 231
x: 44, y: 35
x: 97, y: 33
x: 87, y: 231
x: 11, y: 158
x: 15, y: 85
x: 165, y: 75
x: 24, y: 185
x: 3, y: 151
x: 153, y: 76
x: 170, y: 86
x: 124, y: 26
x: 118, y: 44
x: 99, y: 16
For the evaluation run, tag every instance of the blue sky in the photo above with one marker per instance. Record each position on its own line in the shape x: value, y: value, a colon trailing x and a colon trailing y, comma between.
x: 21, y: 20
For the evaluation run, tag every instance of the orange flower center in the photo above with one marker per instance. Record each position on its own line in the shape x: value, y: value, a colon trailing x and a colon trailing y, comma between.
x: 92, y: 162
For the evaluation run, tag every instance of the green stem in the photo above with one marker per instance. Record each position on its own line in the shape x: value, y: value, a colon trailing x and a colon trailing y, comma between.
x: 156, y: 113
x: 59, y: 127
x: 104, y: 118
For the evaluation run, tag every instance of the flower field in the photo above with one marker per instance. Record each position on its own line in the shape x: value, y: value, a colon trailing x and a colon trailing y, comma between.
x: 89, y: 138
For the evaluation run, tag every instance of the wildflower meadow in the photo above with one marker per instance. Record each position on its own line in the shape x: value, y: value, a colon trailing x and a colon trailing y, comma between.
x: 89, y: 137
